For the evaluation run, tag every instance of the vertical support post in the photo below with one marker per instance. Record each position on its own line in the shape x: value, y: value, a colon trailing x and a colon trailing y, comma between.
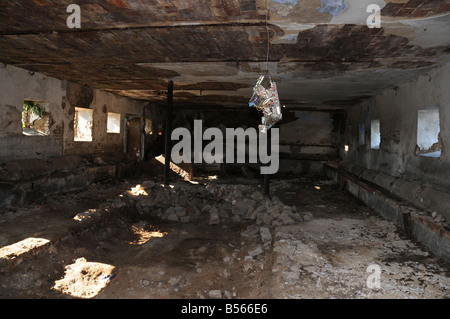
x: 267, y: 176
x: 168, y: 132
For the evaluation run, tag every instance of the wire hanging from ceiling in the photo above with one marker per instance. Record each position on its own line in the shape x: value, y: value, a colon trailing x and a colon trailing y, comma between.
x: 268, y: 37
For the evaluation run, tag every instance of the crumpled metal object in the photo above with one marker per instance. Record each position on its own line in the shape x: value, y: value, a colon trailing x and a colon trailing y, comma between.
x: 266, y: 101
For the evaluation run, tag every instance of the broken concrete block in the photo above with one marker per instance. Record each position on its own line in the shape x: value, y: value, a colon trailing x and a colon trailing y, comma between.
x: 286, y: 219
x: 277, y: 222
x: 284, y: 249
x: 305, y: 255
x: 267, y: 218
x: 297, y: 217
x: 215, y: 294
x: 224, y: 213
x: 291, y: 275
x: 206, y: 209
x: 214, y: 218
x: 287, y: 210
x: 236, y: 218
x: 161, y: 197
x: 307, y: 216
x: 196, y: 202
x: 118, y: 204
x: 275, y: 199
x: 274, y: 211
x: 260, y: 219
x: 170, y: 214
x: 266, y: 236
x: 146, y: 202
x: 252, y: 214
x: 180, y: 211
x: 256, y: 251
x: 257, y: 196
x: 169, y: 211
x: 278, y: 202
x: 172, y: 217
x: 250, y: 232
x: 185, y: 219
x: 242, y: 207
x: 173, y: 281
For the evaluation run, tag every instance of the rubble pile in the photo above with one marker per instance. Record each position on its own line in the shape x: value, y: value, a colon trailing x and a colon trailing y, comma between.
x: 214, y: 202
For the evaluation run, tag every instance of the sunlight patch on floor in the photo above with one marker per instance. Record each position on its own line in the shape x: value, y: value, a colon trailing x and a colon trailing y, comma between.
x: 144, y: 235
x: 86, y: 215
x: 22, y: 247
x: 137, y: 191
x: 85, y: 279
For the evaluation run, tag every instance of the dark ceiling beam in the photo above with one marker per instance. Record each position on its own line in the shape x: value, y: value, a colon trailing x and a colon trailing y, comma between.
x: 149, y: 27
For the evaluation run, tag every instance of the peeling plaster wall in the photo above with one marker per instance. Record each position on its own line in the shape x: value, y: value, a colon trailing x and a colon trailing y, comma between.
x: 17, y: 84
x: 397, y: 110
x: 102, y: 104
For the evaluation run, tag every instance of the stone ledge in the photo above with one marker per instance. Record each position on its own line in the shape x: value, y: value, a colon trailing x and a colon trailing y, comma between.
x: 56, y: 176
x: 418, y: 224
x: 419, y: 195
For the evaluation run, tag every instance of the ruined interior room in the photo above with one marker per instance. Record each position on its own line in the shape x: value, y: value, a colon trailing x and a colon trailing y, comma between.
x: 93, y: 204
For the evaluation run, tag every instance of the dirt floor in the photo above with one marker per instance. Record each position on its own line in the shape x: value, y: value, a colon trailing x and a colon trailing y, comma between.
x: 116, y: 240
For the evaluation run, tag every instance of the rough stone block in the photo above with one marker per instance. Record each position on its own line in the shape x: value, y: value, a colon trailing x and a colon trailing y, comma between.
x: 385, y: 181
x: 369, y: 175
x: 266, y: 236
x: 435, y: 200
x: 406, y: 190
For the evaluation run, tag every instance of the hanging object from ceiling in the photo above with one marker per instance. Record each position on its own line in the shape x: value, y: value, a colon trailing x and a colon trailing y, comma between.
x: 267, y: 102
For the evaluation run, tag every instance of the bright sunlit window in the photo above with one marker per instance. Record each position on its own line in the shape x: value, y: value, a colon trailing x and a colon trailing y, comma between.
x: 83, y: 124
x: 375, y: 134
x: 113, y: 126
x: 35, y: 118
x: 428, y: 130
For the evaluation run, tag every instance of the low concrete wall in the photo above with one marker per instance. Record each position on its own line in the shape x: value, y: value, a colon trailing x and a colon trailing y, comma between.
x: 421, y: 196
x: 382, y: 194
x: 26, y: 181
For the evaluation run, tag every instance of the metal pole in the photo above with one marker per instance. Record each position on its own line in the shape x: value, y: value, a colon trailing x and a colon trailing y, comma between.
x: 267, y: 176
x: 167, y: 156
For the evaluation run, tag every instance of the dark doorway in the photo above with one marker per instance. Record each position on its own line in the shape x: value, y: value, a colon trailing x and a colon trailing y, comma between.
x: 133, y: 136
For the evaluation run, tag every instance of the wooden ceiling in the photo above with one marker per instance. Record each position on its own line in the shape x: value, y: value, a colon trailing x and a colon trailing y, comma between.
x: 215, y: 50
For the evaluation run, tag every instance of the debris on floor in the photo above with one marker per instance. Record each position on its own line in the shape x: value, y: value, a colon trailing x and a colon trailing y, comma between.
x: 214, y: 239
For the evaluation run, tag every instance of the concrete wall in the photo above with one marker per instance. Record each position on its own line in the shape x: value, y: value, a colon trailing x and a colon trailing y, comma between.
x: 397, y: 110
x: 397, y: 168
x: 17, y: 84
x: 307, y: 138
x: 102, y: 104
x: 35, y: 166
